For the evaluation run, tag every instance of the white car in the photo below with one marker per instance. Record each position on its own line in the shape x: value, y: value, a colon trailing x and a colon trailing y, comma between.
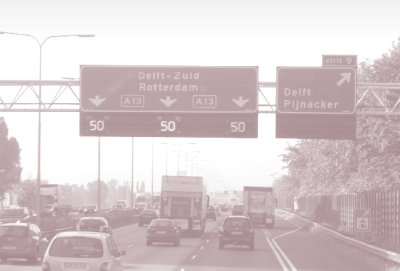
x: 89, y: 251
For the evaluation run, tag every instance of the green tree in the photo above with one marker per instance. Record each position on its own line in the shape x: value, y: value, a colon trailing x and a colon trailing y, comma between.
x: 370, y: 162
x: 378, y: 142
x: 27, y: 191
x: 10, y: 168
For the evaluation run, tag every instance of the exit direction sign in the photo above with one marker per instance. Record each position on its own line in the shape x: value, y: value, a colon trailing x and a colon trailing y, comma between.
x: 316, y: 90
x: 182, y: 89
x: 169, y: 124
x: 316, y: 103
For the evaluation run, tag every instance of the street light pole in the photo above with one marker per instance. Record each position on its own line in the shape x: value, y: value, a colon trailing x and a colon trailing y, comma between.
x: 178, y: 150
x: 39, y: 96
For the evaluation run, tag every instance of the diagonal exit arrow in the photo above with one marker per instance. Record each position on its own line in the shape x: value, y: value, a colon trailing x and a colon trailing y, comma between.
x: 240, y: 102
x: 168, y: 101
x: 97, y: 101
x: 346, y: 76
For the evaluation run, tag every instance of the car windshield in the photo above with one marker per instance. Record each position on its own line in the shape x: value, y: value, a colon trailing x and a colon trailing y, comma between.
x: 76, y: 247
x: 237, y: 222
x: 13, y: 231
x: 162, y: 223
x: 12, y: 213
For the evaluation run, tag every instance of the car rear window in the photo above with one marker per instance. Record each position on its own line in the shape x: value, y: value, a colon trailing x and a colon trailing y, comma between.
x: 162, y: 223
x: 13, y: 231
x: 76, y: 247
x: 92, y: 223
x: 149, y: 212
x: 237, y: 222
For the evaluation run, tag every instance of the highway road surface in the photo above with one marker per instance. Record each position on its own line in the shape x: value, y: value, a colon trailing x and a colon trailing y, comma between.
x: 293, y: 244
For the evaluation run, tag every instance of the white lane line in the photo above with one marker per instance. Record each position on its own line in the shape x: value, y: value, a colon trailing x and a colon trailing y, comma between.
x: 208, y: 241
x: 287, y: 233
x: 130, y: 246
x: 285, y: 257
x: 194, y: 257
x: 182, y: 269
x: 281, y: 262
x: 202, y: 247
x: 282, y: 254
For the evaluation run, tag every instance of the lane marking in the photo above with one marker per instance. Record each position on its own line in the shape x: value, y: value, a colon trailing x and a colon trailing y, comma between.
x: 194, y: 257
x: 202, y: 247
x: 281, y: 262
x: 285, y: 257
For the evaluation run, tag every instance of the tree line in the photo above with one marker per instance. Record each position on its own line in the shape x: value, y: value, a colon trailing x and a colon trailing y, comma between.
x: 371, y: 162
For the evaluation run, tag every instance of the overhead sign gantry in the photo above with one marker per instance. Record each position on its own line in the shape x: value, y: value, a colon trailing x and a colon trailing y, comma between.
x: 169, y: 101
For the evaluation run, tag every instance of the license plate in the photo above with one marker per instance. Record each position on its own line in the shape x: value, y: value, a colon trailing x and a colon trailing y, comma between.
x: 75, y: 266
x: 236, y: 233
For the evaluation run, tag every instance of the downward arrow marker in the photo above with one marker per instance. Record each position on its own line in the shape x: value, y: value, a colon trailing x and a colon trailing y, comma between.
x: 97, y: 101
x: 168, y: 101
x: 240, y: 102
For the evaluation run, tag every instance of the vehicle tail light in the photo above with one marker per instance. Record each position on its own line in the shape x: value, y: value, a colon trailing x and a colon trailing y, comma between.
x: 149, y: 229
x: 45, y: 266
x: 105, y: 267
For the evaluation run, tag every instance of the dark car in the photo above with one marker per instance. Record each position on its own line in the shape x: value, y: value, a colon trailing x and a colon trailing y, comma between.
x: 146, y: 216
x: 163, y: 230
x: 237, y: 209
x: 94, y: 223
x: 211, y: 213
x: 17, y: 214
x: 237, y: 230
x: 21, y: 240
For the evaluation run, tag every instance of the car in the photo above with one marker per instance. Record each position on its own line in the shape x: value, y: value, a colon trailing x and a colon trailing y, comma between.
x: 237, y: 230
x: 81, y: 250
x: 146, y: 216
x: 163, y: 230
x: 237, y: 209
x: 88, y: 209
x: 15, y: 214
x: 211, y: 213
x: 94, y: 223
x: 21, y: 240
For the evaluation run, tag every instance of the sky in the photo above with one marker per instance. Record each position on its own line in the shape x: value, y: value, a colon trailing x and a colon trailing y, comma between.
x: 266, y: 34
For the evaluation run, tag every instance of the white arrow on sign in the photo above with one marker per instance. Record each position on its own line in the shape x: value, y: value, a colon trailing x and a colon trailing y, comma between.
x: 346, y: 76
x: 240, y: 102
x: 168, y: 101
x: 97, y: 101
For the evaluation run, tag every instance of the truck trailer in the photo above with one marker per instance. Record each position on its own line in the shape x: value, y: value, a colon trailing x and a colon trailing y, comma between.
x: 184, y: 199
x: 259, y: 205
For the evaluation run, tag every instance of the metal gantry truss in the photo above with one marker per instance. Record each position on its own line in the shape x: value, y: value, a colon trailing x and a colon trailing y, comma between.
x: 64, y: 96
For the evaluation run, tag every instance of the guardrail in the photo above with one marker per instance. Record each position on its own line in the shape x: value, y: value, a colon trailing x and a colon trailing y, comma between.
x: 51, y: 225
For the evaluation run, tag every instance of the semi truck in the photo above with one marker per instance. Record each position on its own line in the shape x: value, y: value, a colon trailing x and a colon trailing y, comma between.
x: 55, y: 196
x: 184, y: 199
x: 259, y: 205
